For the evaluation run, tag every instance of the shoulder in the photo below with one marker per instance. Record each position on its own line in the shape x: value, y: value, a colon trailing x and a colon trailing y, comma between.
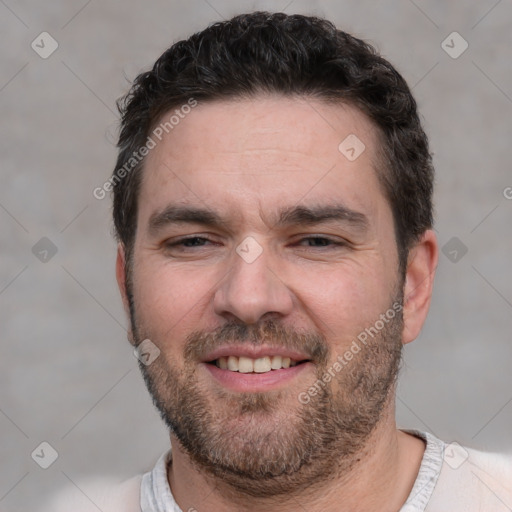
x: 473, y: 480
x: 105, y: 494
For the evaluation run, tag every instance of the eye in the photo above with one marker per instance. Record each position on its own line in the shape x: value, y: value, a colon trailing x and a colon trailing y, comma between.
x: 189, y: 242
x: 320, y: 241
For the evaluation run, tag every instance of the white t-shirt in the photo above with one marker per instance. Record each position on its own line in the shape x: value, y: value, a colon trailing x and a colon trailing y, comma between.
x: 451, y: 479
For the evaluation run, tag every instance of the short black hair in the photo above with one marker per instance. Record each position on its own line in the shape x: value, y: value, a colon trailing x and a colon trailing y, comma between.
x: 295, y: 56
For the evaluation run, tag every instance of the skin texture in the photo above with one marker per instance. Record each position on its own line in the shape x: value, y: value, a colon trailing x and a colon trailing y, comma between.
x: 251, y: 450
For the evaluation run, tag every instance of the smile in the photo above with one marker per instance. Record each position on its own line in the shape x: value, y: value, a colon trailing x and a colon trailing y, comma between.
x: 250, y: 365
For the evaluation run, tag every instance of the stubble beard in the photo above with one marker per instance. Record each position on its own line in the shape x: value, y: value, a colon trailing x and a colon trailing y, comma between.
x: 269, y: 444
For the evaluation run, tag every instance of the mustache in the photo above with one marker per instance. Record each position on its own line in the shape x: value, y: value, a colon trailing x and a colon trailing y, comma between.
x: 270, y: 333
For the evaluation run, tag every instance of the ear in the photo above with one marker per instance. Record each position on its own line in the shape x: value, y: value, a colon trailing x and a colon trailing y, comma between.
x: 419, y: 281
x: 121, y: 283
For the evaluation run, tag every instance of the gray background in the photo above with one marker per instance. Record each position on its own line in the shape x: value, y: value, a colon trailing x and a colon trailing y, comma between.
x: 68, y: 374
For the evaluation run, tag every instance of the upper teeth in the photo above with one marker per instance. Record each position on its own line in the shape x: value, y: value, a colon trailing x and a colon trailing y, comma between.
x: 259, y: 365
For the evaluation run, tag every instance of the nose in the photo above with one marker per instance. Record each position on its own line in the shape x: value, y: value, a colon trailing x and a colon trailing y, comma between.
x: 252, y: 290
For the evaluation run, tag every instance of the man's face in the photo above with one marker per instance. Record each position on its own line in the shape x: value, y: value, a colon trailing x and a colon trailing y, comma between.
x: 275, y: 277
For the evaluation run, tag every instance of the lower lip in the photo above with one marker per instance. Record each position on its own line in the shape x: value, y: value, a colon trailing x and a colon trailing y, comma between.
x: 254, y: 382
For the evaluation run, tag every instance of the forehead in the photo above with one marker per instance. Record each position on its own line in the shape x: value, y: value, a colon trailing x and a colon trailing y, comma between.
x: 261, y: 154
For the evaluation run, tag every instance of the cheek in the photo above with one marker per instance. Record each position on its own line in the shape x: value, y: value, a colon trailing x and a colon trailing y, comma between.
x: 170, y: 301
x: 343, y: 302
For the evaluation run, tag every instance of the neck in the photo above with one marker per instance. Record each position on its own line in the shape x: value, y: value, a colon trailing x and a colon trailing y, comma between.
x: 380, y: 479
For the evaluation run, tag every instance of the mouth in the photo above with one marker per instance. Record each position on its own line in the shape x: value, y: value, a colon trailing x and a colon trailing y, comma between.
x: 253, y: 369
x: 263, y: 364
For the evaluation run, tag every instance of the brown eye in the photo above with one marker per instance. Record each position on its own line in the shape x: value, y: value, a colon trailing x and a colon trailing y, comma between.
x: 189, y: 242
x: 195, y: 241
x: 319, y: 242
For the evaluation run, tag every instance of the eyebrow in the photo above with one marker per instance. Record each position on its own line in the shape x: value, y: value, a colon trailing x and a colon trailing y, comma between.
x: 287, y: 217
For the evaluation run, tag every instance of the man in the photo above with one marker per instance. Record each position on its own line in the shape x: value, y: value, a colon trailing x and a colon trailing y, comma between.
x: 272, y: 202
